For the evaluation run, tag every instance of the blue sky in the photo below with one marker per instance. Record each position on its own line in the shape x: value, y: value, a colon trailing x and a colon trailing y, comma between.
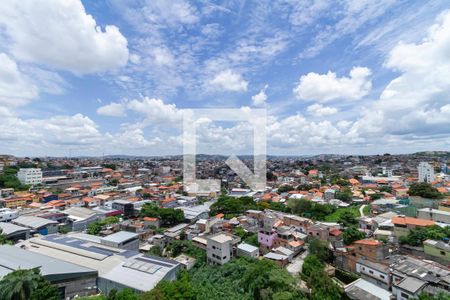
x: 93, y: 77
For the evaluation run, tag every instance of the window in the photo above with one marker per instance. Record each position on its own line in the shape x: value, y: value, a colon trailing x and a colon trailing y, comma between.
x: 214, y: 247
x: 406, y: 296
x: 225, y: 257
x: 382, y: 276
x: 370, y: 271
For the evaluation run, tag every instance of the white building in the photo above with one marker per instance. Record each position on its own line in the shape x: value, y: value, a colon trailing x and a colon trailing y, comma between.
x: 32, y: 176
x: 7, y: 214
x: 219, y: 247
x: 247, y: 250
x: 329, y: 194
x: 426, y: 172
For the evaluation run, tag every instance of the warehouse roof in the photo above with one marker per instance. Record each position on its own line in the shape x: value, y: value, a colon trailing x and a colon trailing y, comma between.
x: 13, y: 258
x: 9, y: 228
x: 33, y: 222
x: 120, y: 237
x: 126, y: 267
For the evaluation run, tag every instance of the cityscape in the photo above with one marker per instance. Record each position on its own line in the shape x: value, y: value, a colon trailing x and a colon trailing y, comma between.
x: 232, y: 150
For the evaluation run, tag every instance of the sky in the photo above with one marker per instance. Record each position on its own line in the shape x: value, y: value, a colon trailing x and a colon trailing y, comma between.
x: 114, y: 76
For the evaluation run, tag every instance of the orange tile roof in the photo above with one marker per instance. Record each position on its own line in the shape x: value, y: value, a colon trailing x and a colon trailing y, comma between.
x: 278, y: 223
x: 353, y: 181
x: 220, y: 216
x: 442, y: 190
x: 88, y: 199
x: 411, y: 221
x: 369, y: 242
x: 335, y: 232
x: 296, y: 243
x: 150, y: 219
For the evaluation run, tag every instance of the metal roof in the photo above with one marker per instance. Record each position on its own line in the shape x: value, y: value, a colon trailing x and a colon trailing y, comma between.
x: 120, y: 237
x: 9, y: 228
x: 411, y: 284
x: 13, y: 258
x: 364, y: 290
x: 247, y: 248
x: 33, y: 222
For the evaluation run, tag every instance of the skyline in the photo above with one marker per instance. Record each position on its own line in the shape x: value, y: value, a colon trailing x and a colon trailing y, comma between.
x: 351, y: 77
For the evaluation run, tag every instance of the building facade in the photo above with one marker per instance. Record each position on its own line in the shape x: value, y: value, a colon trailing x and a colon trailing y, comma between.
x: 31, y: 176
x: 426, y: 172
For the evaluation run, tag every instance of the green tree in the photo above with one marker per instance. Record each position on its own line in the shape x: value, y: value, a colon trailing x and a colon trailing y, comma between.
x: 45, y: 290
x: 310, y: 264
x: 25, y: 285
x: 3, y: 239
x: 155, y: 251
x: 252, y: 239
x: 417, y: 235
x: 352, y: 234
x: 323, y: 287
x: 319, y: 248
x: 344, y: 195
x: 179, y: 289
x: 439, y: 296
x: 424, y: 189
x: 347, y: 218
x: 167, y: 216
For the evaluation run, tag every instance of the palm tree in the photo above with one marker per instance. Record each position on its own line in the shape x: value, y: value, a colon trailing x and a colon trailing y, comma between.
x: 19, y: 284
x: 3, y: 239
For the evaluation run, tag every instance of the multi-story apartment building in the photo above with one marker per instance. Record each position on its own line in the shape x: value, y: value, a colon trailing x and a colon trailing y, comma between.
x: 426, y: 172
x: 220, y: 247
x: 31, y: 176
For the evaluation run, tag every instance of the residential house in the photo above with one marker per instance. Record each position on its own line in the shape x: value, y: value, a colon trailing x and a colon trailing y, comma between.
x: 436, y: 215
x: 438, y: 250
x: 247, y: 250
x: 402, y: 225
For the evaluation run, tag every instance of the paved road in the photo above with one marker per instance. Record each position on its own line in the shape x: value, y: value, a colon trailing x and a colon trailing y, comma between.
x: 361, y: 210
x: 295, y: 266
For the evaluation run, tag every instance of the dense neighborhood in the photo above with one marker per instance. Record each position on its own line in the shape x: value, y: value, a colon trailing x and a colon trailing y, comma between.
x: 325, y: 227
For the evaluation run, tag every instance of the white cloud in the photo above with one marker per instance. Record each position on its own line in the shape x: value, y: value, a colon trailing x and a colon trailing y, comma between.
x: 229, y: 80
x: 260, y: 98
x: 112, y: 110
x: 327, y: 87
x: 172, y: 13
x: 306, y: 12
x: 154, y: 110
x: 414, y: 105
x: 350, y: 16
x: 15, y: 88
x: 162, y: 56
x: 60, y: 34
x: 319, y: 110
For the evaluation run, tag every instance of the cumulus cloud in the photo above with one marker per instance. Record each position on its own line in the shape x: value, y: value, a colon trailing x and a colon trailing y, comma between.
x: 229, y: 80
x: 112, y: 110
x: 60, y: 34
x: 155, y: 110
x: 15, y: 88
x: 319, y: 110
x: 260, y: 98
x: 327, y: 87
x: 415, y: 104
x: 57, y: 131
